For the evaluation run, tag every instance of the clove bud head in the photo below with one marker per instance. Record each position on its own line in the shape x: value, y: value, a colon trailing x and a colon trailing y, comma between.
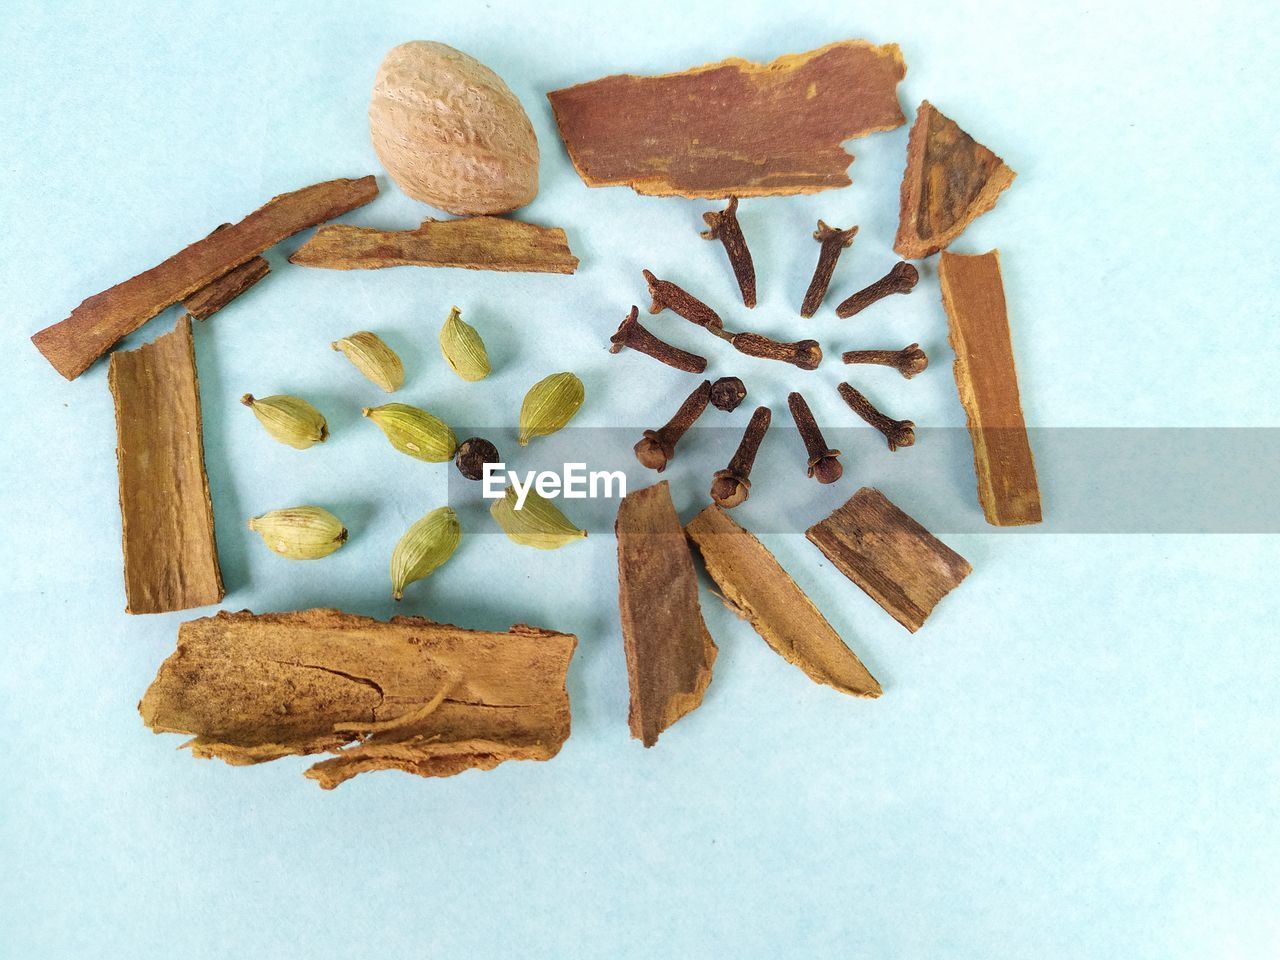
x: 655, y: 452
x: 826, y: 468
x: 729, y: 490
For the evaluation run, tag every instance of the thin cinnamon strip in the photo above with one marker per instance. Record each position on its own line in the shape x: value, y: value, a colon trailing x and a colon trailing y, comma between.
x: 170, y: 556
x: 212, y: 297
x: 973, y: 296
x: 427, y: 698
x: 756, y: 587
x: 73, y: 344
x: 669, y: 651
x: 476, y: 243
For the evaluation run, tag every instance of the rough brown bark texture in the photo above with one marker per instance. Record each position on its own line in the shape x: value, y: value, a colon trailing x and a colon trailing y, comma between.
x: 170, y: 557
x: 212, y: 297
x: 900, y: 564
x: 407, y: 694
x: 73, y: 344
x: 950, y: 181
x: 756, y: 587
x: 973, y: 296
x: 476, y: 243
x: 669, y: 652
x: 734, y: 127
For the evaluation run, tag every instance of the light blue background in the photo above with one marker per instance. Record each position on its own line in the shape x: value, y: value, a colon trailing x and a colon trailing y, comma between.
x: 1075, y: 758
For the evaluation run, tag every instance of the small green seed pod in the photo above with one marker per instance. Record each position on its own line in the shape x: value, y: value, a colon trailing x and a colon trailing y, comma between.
x: 463, y: 348
x: 549, y: 405
x: 413, y: 431
x: 300, y: 533
x: 370, y: 355
x: 424, y: 547
x: 539, y: 523
x: 291, y: 420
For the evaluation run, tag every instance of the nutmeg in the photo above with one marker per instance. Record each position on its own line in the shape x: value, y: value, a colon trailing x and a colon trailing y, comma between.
x: 450, y: 132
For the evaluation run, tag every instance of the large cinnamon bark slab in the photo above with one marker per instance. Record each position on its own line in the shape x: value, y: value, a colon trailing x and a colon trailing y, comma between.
x: 734, y: 127
x: 170, y: 557
x: 949, y: 182
x: 669, y: 652
x: 756, y: 587
x: 900, y: 564
x: 409, y: 694
x: 73, y: 344
x: 476, y: 243
x: 973, y: 296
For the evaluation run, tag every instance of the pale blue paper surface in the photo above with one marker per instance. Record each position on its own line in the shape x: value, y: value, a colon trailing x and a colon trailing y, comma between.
x: 1076, y: 756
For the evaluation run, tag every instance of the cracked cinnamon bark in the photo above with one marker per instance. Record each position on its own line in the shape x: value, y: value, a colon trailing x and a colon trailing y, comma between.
x: 406, y: 694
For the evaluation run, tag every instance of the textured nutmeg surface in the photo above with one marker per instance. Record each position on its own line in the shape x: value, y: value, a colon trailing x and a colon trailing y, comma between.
x: 450, y: 132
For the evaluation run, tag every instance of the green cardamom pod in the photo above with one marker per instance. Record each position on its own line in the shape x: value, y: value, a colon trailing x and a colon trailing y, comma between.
x: 463, y: 348
x: 370, y: 354
x: 538, y: 523
x: 424, y: 547
x: 549, y: 405
x: 415, y: 432
x: 290, y: 420
x: 300, y: 533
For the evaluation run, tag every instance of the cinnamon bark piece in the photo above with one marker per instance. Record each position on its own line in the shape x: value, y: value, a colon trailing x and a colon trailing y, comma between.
x: 669, y: 652
x: 476, y: 243
x: 756, y: 587
x: 973, y: 296
x: 406, y: 694
x: 734, y: 127
x: 170, y: 556
x: 73, y: 344
x: 212, y: 297
x: 898, y: 563
x: 950, y: 181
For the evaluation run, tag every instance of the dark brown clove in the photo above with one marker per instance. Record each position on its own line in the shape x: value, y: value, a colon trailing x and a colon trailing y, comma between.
x: 727, y: 393
x: 908, y: 361
x: 898, y: 433
x: 901, y: 279
x: 667, y: 295
x: 823, y: 465
x: 805, y: 354
x: 632, y: 334
x: 731, y: 486
x: 723, y: 226
x: 833, y: 240
x: 657, y: 447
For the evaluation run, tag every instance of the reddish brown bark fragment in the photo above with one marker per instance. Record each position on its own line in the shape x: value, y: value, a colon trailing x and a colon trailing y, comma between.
x: 669, y: 652
x: 973, y: 296
x: 734, y: 127
x: 211, y: 298
x: 170, y: 556
x: 900, y: 564
x: 94, y: 327
x: 950, y: 181
x: 475, y: 243
x: 409, y: 694
x: 756, y: 587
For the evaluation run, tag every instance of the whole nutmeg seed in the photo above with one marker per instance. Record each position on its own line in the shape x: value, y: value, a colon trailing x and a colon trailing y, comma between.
x: 450, y: 132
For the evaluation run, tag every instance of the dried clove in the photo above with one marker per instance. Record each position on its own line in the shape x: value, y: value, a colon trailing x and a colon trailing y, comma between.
x: 657, y: 447
x: 727, y: 393
x: 899, y: 433
x: 901, y: 279
x: 908, y: 361
x: 473, y: 453
x: 805, y: 354
x: 731, y: 486
x: 833, y: 241
x: 723, y: 226
x: 823, y: 465
x: 667, y: 295
x: 632, y: 334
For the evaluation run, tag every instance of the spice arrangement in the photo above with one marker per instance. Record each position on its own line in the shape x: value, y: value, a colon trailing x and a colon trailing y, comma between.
x: 434, y: 699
